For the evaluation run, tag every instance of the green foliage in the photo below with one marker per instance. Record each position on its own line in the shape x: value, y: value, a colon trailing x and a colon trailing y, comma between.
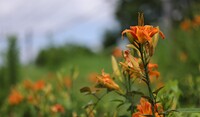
x: 127, y: 10
x: 9, y: 72
x: 191, y: 88
x: 3, y: 82
x: 110, y: 39
x: 169, y: 95
x: 183, y: 48
x: 39, y: 98
x: 12, y: 60
x: 54, y: 57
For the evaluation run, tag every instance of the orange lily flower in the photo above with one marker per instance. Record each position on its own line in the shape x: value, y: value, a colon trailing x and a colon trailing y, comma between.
x: 152, y: 70
x: 196, y: 21
x: 106, y: 81
x: 57, y: 108
x: 117, y: 52
x: 15, y: 97
x: 131, y: 65
x: 144, y: 108
x: 28, y: 84
x: 142, y: 33
x: 186, y: 25
x: 39, y: 85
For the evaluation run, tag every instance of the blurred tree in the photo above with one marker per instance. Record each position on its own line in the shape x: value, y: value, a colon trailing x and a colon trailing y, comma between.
x: 127, y: 11
x: 3, y: 77
x: 110, y: 39
x: 155, y: 10
x: 12, y: 66
x: 53, y: 57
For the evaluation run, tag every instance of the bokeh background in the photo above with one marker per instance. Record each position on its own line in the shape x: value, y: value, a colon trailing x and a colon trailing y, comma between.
x: 70, y: 41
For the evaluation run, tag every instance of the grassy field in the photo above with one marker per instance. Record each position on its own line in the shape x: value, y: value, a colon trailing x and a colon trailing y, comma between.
x: 178, y: 66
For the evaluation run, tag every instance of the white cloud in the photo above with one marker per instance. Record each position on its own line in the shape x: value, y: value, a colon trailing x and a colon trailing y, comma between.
x: 45, y: 15
x: 78, y: 21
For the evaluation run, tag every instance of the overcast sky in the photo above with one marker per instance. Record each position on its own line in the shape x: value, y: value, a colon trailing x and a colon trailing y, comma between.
x: 77, y: 21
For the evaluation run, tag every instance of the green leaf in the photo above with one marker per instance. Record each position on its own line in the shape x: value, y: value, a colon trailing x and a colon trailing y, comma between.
x: 130, y: 107
x: 119, y: 105
x: 99, y: 86
x: 130, y: 37
x: 85, y: 90
x: 95, y: 91
x: 115, y: 67
x: 90, y: 103
x: 109, y: 90
x: 115, y: 114
x: 74, y: 73
x: 148, y: 98
x: 157, y: 90
x: 168, y: 111
x: 117, y: 100
x: 155, y: 38
x: 134, y: 48
x: 137, y: 93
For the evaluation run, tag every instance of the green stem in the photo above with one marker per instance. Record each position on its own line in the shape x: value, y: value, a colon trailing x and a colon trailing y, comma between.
x: 145, y: 64
x: 129, y: 83
x: 130, y: 96
x: 98, y: 100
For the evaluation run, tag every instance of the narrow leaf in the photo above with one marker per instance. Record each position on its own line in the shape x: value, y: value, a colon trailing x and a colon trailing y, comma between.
x: 119, y: 105
x: 85, y: 89
x: 115, y: 67
x: 168, y: 112
x: 157, y: 90
x: 138, y: 93
x: 155, y: 39
x: 117, y: 100
x: 131, y: 107
x: 133, y: 47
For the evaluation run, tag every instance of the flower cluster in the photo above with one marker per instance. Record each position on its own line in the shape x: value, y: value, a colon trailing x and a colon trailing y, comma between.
x: 144, y: 109
x: 135, y: 67
x: 106, y: 81
x: 136, y: 64
x: 44, y: 97
x: 188, y: 24
x: 15, y: 97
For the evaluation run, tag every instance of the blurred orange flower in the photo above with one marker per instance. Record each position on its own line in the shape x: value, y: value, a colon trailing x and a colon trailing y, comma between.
x: 30, y: 99
x: 117, y: 52
x: 196, y: 21
x: 144, y: 108
x: 39, y: 85
x: 68, y: 82
x: 57, y: 108
x: 185, y: 25
x: 106, y: 81
x: 15, y: 97
x: 93, y: 77
x: 28, y: 84
x: 142, y: 34
x: 33, y: 99
x: 152, y: 70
